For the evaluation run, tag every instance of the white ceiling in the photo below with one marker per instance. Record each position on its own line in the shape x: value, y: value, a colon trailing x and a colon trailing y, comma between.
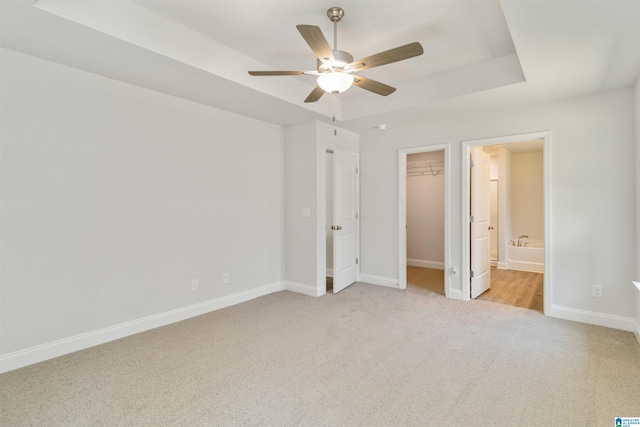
x: 479, y: 54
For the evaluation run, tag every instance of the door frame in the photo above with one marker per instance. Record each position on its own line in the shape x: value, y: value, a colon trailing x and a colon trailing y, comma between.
x: 321, y: 200
x: 466, y: 188
x: 402, y: 212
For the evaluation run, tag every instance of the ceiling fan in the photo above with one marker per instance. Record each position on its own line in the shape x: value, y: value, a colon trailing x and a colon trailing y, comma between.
x: 336, y: 68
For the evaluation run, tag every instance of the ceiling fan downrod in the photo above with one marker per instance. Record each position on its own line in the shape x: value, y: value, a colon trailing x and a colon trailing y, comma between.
x: 335, y: 14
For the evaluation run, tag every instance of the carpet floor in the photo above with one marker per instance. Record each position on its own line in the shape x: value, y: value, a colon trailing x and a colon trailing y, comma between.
x: 368, y: 356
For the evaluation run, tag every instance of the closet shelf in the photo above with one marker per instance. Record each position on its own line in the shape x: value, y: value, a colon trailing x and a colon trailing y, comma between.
x: 432, y: 167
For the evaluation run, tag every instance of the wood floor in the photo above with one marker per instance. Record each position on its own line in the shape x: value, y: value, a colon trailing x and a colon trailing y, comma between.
x: 511, y: 287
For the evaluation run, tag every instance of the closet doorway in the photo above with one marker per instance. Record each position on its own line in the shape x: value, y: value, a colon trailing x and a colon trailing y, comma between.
x: 424, y: 224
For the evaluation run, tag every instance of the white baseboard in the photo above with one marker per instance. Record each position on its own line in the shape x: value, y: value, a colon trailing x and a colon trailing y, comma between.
x: 301, y: 288
x: 455, y: 294
x: 29, y: 356
x: 532, y: 267
x: 425, y: 263
x: 502, y: 265
x: 379, y: 280
x: 592, y: 317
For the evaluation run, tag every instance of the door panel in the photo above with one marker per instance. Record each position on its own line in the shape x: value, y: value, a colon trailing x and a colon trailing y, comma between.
x: 481, y: 212
x: 494, y: 220
x: 345, y: 204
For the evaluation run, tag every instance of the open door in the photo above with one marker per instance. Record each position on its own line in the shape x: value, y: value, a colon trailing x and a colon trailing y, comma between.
x: 480, y: 222
x: 345, y: 203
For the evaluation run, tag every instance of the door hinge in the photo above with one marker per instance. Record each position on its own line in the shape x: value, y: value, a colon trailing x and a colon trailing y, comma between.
x: 473, y: 163
x: 471, y: 218
x: 356, y: 260
x: 356, y: 215
x: 471, y: 274
x: 356, y: 170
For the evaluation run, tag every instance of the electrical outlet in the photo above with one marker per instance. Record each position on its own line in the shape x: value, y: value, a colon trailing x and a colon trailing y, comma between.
x: 225, y: 278
x: 596, y: 291
x: 195, y: 285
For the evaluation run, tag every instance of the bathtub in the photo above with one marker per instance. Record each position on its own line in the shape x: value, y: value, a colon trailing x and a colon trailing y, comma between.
x: 525, y: 258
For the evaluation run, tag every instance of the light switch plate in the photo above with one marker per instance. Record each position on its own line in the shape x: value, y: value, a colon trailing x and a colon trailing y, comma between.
x: 306, y: 212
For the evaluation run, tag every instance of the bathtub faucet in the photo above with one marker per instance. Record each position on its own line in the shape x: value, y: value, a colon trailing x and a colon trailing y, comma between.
x: 520, y: 240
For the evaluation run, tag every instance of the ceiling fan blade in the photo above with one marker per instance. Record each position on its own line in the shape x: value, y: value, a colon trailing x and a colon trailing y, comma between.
x: 277, y: 73
x: 387, y: 57
x: 315, y: 94
x: 373, y: 86
x: 317, y: 42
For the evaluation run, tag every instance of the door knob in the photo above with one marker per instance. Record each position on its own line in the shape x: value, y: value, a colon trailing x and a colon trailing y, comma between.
x: 338, y: 228
x: 333, y: 227
x: 490, y: 228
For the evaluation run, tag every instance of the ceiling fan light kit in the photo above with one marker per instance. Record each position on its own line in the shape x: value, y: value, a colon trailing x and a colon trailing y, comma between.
x: 336, y: 68
x: 335, y: 82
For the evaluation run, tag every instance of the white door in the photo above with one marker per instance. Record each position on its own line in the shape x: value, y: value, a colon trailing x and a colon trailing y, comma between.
x: 493, y: 229
x: 344, y: 225
x: 481, y: 214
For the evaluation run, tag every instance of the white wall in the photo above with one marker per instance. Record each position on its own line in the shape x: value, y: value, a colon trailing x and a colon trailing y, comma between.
x: 305, y: 240
x: 301, y: 184
x: 527, y: 196
x: 115, y: 197
x: 591, y: 213
x: 425, y: 215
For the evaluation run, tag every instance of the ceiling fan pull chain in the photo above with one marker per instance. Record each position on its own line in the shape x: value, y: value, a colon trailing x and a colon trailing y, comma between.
x: 335, y: 105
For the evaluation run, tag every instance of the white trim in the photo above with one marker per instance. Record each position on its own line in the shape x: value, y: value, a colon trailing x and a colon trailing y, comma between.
x: 532, y: 267
x: 591, y: 317
x: 321, y: 200
x: 321, y: 217
x: 502, y: 265
x: 39, y: 353
x: 301, y: 288
x: 466, y: 146
x: 423, y: 263
x: 455, y: 294
x: 379, y: 280
x: 402, y: 213
x: 636, y: 323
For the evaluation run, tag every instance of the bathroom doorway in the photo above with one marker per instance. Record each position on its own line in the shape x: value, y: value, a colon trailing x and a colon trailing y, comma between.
x: 518, y: 223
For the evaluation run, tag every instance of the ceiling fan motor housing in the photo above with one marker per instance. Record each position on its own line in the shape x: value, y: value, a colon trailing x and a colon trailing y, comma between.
x: 342, y: 58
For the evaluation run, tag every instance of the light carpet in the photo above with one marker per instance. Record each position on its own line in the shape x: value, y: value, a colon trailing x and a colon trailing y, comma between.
x: 368, y: 356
